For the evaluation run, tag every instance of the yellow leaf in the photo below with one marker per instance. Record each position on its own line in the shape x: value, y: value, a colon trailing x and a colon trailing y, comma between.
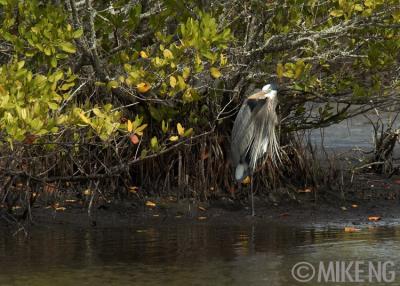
x: 173, y: 138
x: 186, y: 73
x: 223, y: 60
x: 215, y: 72
x: 130, y: 126
x: 180, y: 129
x: 143, y: 87
x: 172, y: 81
x: 168, y: 54
x: 84, y: 118
x: 143, y: 55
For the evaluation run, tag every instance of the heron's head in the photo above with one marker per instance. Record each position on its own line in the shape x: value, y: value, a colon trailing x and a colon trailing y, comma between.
x: 270, y: 91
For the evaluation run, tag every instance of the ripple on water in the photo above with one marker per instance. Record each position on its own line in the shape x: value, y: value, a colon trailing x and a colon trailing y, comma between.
x: 183, y: 255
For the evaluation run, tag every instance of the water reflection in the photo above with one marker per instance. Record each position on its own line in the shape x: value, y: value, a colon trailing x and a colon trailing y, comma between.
x: 183, y: 255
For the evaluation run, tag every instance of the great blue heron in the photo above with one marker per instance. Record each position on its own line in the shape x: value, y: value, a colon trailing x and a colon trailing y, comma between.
x: 253, y: 134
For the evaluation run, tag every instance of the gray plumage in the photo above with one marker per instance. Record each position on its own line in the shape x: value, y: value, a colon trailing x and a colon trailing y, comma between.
x: 253, y: 134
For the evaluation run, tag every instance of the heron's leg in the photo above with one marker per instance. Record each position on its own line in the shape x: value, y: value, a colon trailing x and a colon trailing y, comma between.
x: 252, y: 196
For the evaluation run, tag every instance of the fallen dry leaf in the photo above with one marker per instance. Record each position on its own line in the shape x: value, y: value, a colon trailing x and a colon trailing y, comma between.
x: 202, y: 218
x: 351, y: 229
x: 87, y: 192
x: 374, y: 218
x: 70, y: 201
x: 307, y: 190
x: 134, y: 139
x: 150, y: 204
x: 29, y: 139
x: 49, y: 188
x: 354, y: 206
x: 173, y: 138
x: 246, y: 180
x: 60, y: 209
x: 343, y: 208
x: 133, y: 189
x: 202, y: 209
x: 204, y: 155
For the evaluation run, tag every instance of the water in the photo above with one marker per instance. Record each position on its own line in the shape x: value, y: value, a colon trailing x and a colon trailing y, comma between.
x: 353, y: 133
x: 261, y: 254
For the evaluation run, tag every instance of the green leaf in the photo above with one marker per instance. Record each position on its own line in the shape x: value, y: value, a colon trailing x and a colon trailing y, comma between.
x: 47, y: 51
x: 20, y: 64
x: 68, y: 47
x: 112, y: 84
x: 67, y: 86
x: 279, y: 70
x: 77, y: 34
x: 164, y: 127
x: 336, y: 13
x: 154, y: 143
x: 52, y: 105
x: 358, y: 7
x: 188, y: 132
x: 53, y: 62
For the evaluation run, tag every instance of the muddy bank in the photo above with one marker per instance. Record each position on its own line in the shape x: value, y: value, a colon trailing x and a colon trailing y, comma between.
x: 348, y: 204
x: 300, y: 215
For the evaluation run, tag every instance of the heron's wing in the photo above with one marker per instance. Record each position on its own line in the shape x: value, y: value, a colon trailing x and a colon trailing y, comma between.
x: 242, y: 133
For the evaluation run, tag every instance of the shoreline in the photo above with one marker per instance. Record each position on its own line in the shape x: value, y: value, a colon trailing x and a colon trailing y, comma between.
x: 306, y: 215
